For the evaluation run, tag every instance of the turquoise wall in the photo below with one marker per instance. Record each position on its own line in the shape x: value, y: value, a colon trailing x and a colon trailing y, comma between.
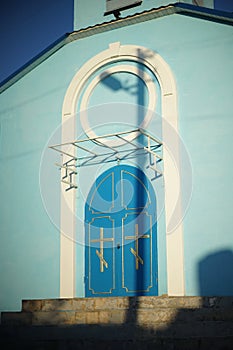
x: 199, y: 53
x: 200, y: 56
x: 29, y: 251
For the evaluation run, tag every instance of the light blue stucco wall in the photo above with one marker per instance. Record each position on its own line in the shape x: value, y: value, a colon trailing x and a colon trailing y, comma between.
x: 30, y: 244
x: 199, y: 54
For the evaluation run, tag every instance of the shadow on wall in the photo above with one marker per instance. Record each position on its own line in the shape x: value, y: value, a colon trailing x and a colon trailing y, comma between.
x: 215, y: 274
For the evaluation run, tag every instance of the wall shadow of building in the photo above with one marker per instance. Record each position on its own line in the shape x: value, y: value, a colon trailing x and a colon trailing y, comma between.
x: 216, y: 274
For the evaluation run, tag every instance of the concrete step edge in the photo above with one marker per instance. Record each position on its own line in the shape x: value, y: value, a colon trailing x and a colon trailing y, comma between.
x: 114, y: 317
x: 126, y: 303
x: 117, y: 332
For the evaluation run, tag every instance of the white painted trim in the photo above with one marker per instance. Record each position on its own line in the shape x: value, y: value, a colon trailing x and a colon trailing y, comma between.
x: 153, y: 61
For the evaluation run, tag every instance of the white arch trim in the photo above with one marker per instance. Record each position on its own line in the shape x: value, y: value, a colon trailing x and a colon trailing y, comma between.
x: 119, y: 68
x: 174, y: 240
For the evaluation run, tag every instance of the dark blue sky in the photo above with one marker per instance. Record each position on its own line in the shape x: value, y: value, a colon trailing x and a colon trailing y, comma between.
x: 224, y: 5
x: 27, y: 27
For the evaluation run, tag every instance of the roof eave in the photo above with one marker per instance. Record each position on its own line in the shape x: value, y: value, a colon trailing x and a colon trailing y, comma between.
x: 177, y: 8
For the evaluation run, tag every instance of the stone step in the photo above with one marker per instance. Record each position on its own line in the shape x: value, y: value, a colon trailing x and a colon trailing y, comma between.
x: 90, y: 304
x: 164, y: 323
x: 144, y: 316
x: 150, y: 344
x: 143, y: 323
x: 123, y: 332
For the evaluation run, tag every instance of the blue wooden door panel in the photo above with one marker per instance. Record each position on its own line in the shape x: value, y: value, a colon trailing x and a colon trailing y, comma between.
x: 102, y: 199
x: 135, y: 194
x: 121, y: 234
x: 137, y: 253
x: 101, y: 256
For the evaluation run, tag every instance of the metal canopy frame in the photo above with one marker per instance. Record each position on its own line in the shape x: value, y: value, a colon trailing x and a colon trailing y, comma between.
x: 79, y: 153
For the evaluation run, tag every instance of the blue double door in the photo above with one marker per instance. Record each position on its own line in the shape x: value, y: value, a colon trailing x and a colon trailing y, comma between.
x: 121, y: 235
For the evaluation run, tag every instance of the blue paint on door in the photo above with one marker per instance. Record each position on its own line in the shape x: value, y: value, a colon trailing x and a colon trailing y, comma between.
x: 121, y: 235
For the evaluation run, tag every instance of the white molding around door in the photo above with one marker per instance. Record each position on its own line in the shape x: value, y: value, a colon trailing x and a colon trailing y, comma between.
x: 174, y: 235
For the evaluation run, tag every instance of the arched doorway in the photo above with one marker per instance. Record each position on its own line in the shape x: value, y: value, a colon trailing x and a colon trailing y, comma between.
x: 121, y: 235
x: 173, y: 209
